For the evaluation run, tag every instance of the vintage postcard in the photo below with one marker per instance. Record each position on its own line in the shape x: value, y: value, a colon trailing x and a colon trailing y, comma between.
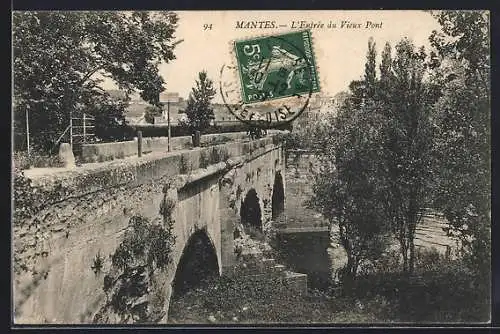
x: 251, y: 167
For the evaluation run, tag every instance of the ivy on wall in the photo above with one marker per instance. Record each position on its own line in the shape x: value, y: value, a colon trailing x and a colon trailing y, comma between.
x: 132, y: 293
x: 28, y: 200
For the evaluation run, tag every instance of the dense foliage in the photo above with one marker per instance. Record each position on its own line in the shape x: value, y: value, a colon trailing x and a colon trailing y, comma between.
x: 413, y: 137
x: 60, y: 59
x: 406, y: 103
x: 462, y: 115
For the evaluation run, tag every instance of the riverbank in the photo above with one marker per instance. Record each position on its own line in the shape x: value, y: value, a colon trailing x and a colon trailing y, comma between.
x: 443, y: 293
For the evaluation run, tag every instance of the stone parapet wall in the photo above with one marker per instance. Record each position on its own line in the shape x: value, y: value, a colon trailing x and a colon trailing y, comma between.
x: 109, y: 151
x: 90, y: 178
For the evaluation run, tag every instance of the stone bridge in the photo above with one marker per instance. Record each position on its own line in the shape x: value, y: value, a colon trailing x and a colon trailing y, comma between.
x: 63, y: 254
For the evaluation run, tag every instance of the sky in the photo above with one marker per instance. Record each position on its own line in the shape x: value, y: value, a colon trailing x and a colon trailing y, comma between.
x: 340, y: 52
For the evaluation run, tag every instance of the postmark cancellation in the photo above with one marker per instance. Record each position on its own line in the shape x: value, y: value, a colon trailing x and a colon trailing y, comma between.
x: 272, y: 78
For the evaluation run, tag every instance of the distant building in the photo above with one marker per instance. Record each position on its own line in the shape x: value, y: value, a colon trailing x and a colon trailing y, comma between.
x: 137, y: 107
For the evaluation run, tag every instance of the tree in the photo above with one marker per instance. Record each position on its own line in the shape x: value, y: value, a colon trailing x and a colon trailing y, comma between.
x: 370, y: 69
x: 199, y: 111
x: 409, y: 140
x: 463, y: 143
x: 350, y: 185
x: 58, y: 57
x: 380, y: 146
x: 385, y: 68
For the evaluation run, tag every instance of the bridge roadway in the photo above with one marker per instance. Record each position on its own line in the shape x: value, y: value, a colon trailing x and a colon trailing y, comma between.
x: 87, y: 211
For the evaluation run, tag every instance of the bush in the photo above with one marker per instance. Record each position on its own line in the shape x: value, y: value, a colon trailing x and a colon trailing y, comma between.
x: 440, y: 290
x: 36, y: 159
x: 246, y: 298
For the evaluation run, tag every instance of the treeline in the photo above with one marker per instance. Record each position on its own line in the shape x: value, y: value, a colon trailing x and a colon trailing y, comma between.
x: 413, y: 135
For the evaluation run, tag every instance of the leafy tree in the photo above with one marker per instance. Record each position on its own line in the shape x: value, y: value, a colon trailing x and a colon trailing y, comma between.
x: 370, y: 69
x: 350, y: 184
x: 199, y: 111
x: 110, y: 123
x: 309, y: 136
x: 462, y: 115
x: 357, y: 89
x: 58, y: 57
x: 385, y: 68
x: 408, y: 158
x: 380, y: 147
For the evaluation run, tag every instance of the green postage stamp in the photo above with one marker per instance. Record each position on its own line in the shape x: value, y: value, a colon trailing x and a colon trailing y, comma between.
x: 277, y: 66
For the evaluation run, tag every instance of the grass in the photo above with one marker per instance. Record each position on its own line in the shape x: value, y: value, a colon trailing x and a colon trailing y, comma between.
x: 247, y: 300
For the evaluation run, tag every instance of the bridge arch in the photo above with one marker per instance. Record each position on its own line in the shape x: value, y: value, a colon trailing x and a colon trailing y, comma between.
x: 250, y: 211
x: 197, y: 264
x: 278, y: 197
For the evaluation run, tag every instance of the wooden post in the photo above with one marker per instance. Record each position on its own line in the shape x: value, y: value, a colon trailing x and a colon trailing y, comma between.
x: 139, y: 143
x: 168, y: 122
x: 84, y: 130
x: 27, y: 132
x: 196, y: 138
x: 71, y: 130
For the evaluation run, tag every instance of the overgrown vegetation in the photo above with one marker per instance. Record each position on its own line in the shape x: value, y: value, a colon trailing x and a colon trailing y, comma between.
x: 133, y: 293
x: 36, y: 159
x: 237, y: 300
x: 28, y: 199
x: 437, y: 292
x: 440, y: 290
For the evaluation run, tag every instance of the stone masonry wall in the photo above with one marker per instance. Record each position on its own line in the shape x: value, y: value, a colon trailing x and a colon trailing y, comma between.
x: 109, y: 151
x: 88, y: 210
